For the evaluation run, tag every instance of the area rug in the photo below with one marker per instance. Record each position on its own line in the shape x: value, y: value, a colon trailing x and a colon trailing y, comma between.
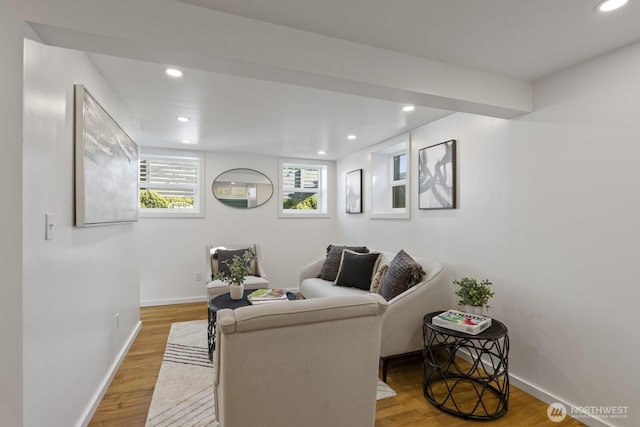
x: 183, y: 395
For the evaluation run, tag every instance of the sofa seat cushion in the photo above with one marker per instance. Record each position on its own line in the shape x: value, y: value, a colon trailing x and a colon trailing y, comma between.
x: 318, y: 288
x: 249, y: 281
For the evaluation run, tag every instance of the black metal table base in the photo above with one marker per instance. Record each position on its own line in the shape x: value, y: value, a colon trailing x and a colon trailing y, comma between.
x: 225, y: 301
x: 476, y: 391
x: 211, y: 332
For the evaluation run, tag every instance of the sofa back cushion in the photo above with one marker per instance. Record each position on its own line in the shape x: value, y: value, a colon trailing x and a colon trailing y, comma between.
x: 377, y: 278
x: 403, y: 273
x: 332, y: 261
x: 357, y: 270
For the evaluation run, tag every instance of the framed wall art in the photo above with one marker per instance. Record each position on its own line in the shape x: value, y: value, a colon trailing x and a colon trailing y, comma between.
x: 437, y: 176
x: 353, y: 191
x: 106, y: 166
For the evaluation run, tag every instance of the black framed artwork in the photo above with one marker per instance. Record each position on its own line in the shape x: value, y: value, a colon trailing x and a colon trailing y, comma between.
x: 437, y: 176
x: 353, y: 199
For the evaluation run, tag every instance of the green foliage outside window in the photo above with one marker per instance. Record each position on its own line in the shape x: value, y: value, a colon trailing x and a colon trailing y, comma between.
x: 308, y: 203
x: 151, y: 199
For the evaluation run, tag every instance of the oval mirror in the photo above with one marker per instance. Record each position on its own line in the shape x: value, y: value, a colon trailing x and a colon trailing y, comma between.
x: 242, y: 188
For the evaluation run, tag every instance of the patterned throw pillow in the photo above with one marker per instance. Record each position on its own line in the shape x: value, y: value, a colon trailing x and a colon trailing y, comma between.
x: 402, y: 274
x: 377, y: 279
x: 332, y: 262
x: 356, y: 269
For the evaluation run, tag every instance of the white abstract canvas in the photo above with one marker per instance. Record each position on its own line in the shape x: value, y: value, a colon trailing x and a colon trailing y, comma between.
x: 106, y: 166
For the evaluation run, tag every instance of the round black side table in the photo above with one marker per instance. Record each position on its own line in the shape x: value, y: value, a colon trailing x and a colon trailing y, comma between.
x: 478, y: 390
x: 225, y: 301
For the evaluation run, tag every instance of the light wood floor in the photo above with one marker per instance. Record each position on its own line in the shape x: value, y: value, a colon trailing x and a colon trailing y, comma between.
x: 127, y: 401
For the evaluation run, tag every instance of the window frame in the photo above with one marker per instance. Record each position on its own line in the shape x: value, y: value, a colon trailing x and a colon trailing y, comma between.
x: 393, y: 183
x: 382, y: 178
x: 324, y: 189
x: 198, y: 187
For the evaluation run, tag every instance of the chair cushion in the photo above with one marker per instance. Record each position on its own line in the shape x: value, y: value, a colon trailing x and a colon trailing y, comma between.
x: 332, y: 262
x: 249, y: 281
x: 402, y: 274
x: 357, y: 270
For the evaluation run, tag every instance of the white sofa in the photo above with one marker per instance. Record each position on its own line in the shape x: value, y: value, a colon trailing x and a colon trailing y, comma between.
x: 310, y: 363
x: 403, y: 322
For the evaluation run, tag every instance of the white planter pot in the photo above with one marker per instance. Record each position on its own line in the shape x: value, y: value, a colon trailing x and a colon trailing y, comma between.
x: 474, y: 309
x: 236, y: 291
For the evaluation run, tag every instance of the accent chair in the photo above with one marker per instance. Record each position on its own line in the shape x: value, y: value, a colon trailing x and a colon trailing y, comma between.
x: 257, y: 280
x: 311, y: 363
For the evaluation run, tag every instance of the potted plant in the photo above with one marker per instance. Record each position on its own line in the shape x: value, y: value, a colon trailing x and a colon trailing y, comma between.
x: 474, y: 296
x: 238, y: 270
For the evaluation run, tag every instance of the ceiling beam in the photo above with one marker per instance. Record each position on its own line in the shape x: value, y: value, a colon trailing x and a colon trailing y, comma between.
x: 168, y: 32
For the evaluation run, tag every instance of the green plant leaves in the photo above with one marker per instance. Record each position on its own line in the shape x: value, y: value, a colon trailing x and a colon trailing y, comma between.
x: 473, y: 293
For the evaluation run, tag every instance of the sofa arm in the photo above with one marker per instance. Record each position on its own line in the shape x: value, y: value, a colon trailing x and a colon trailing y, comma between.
x: 312, y: 269
x: 403, y: 321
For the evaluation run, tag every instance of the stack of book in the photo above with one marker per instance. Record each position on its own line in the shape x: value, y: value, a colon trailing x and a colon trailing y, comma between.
x: 262, y: 296
x: 460, y: 321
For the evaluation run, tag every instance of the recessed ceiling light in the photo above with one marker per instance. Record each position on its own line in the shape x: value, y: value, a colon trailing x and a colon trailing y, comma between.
x: 183, y: 118
x: 609, y: 5
x: 186, y: 141
x: 351, y: 137
x: 173, y: 72
x: 408, y: 108
x: 321, y: 152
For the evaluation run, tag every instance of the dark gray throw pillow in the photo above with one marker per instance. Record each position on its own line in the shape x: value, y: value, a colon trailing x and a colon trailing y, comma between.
x: 402, y: 274
x: 357, y: 270
x: 225, y: 258
x: 332, y: 262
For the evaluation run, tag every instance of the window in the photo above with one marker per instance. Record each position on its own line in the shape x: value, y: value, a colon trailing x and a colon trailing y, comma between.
x: 170, y: 184
x: 390, y: 168
x: 398, y: 180
x: 303, y: 188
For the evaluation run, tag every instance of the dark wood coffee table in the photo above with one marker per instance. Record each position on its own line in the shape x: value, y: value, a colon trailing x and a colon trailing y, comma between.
x: 225, y: 301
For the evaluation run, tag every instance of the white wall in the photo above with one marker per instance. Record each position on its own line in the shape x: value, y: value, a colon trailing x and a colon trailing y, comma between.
x: 75, y: 284
x: 548, y: 210
x: 11, y: 218
x: 173, y: 250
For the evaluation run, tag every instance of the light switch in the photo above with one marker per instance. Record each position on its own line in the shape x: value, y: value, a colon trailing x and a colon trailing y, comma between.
x: 49, y: 226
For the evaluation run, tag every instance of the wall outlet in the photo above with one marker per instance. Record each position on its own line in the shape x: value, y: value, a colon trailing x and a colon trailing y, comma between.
x: 117, y: 321
x: 197, y: 276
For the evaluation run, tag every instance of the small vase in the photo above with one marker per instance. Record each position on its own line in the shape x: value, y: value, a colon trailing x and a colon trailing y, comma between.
x: 473, y: 309
x: 236, y: 291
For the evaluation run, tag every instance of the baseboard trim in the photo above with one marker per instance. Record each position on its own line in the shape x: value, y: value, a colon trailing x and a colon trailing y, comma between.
x: 97, y: 398
x: 547, y: 397
x: 171, y: 301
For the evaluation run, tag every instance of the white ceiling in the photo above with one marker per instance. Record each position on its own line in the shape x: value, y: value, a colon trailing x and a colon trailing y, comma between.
x: 524, y: 39
x: 237, y: 114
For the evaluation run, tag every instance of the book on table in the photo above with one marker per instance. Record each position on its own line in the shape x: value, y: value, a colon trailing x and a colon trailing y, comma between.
x: 261, y: 296
x: 460, y: 321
